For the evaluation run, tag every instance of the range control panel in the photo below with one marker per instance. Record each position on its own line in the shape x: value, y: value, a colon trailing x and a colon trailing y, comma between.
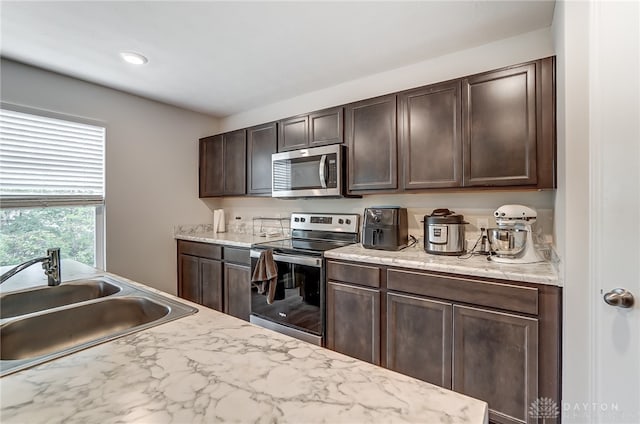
x: 343, y: 223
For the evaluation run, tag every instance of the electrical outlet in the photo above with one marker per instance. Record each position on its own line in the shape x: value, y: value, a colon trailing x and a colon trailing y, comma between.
x: 482, y: 223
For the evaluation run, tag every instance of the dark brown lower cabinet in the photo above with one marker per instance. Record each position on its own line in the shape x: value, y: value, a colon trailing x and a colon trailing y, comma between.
x: 353, y: 321
x: 495, y: 340
x: 419, y: 338
x: 200, y: 273
x: 189, y: 286
x: 237, y: 290
x: 211, y: 277
x: 215, y: 276
x: 495, y: 358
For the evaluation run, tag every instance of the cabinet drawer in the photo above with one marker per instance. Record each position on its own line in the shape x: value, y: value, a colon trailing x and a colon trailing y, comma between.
x: 237, y: 255
x: 202, y: 250
x: 494, y: 295
x: 357, y: 274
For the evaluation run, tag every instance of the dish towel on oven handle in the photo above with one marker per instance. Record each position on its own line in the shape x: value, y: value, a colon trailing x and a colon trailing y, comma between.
x: 266, y: 273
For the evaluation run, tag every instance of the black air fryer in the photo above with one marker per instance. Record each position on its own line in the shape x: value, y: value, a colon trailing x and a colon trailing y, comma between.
x: 385, y: 228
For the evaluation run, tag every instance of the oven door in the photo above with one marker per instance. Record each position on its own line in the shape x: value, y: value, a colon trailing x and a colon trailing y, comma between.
x: 298, y: 305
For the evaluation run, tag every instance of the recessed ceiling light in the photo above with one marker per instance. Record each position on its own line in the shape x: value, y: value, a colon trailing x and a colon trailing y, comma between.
x: 133, y: 58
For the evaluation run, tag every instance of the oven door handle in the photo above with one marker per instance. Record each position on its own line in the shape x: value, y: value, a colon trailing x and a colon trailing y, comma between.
x: 291, y: 259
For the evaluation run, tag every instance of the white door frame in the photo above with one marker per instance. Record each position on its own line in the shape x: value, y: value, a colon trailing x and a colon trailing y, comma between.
x: 614, y: 210
x: 598, y: 67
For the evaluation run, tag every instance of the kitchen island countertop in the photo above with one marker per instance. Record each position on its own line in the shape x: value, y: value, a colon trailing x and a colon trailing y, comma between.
x: 211, y: 367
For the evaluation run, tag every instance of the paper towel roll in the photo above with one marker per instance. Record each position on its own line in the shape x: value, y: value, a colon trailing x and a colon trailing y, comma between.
x: 216, y: 220
x: 221, y: 224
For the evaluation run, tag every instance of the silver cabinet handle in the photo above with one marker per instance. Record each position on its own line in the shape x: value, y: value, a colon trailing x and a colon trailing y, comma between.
x: 619, y: 297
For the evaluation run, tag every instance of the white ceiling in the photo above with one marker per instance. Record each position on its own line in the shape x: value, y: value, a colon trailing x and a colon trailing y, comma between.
x: 222, y: 58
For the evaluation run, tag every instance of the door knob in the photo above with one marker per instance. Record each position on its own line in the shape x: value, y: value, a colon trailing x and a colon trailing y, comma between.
x: 619, y: 297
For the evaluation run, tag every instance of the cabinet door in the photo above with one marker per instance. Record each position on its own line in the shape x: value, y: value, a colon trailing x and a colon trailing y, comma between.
x: 419, y: 338
x: 189, y: 286
x: 353, y: 321
x: 237, y: 291
x: 211, y: 278
x: 499, y: 119
x: 211, y: 166
x: 262, y: 142
x: 293, y: 133
x: 235, y: 159
x: 495, y: 359
x: 431, y: 136
x: 372, y: 144
x: 326, y: 127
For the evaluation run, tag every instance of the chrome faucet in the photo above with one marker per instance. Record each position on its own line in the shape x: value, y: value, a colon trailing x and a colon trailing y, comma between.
x: 50, y: 264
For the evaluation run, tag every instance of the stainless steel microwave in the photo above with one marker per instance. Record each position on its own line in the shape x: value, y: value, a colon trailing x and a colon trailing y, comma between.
x: 313, y: 172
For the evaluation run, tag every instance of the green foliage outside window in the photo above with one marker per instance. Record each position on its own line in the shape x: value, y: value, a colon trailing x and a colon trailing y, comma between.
x: 28, y: 233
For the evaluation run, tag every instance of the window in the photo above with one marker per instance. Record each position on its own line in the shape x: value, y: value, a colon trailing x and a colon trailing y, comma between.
x: 51, y: 187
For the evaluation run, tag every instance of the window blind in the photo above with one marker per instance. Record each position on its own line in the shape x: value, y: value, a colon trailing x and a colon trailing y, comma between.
x: 49, y: 162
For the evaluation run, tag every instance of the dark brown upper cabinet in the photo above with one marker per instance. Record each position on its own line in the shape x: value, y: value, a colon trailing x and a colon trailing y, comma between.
x: 223, y: 164
x: 431, y: 136
x: 293, y: 133
x: 326, y: 127
x: 262, y: 142
x: 491, y: 130
x: 315, y: 129
x: 500, y: 127
x: 211, y: 166
x: 370, y: 132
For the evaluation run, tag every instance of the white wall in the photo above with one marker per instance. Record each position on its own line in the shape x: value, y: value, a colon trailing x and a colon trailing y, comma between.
x: 151, y: 166
x: 571, y: 34
x: 528, y: 46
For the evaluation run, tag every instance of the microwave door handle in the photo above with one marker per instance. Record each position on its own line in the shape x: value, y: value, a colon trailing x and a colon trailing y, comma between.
x: 321, y: 171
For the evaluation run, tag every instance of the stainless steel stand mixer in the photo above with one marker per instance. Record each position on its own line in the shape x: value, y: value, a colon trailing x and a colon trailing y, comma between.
x: 512, y: 241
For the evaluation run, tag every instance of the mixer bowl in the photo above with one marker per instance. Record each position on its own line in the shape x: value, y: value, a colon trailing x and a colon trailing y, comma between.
x: 508, y: 243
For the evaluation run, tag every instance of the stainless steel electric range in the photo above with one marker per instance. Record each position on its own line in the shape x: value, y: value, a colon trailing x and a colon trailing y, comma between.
x: 298, y: 308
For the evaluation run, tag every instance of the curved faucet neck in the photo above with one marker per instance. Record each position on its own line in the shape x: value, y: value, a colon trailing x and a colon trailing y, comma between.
x: 50, y: 264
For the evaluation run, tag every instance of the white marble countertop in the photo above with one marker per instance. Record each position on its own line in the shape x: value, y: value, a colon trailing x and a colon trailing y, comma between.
x: 211, y: 367
x: 416, y: 258
x: 227, y: 239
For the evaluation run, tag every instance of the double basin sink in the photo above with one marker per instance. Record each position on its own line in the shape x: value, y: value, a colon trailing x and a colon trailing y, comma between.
x: 45, y: 323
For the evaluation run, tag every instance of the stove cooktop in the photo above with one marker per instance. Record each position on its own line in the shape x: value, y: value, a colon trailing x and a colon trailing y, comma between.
x: 315, y: 233
x: 293, y: 245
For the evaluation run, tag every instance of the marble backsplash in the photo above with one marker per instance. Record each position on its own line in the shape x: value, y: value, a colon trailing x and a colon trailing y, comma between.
x: 242, y: 222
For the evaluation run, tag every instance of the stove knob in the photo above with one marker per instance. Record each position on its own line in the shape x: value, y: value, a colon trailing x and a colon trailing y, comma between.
x: 302, y: 219
x: 296, y: 219
x: 340, y: 221
x: 348, y: 221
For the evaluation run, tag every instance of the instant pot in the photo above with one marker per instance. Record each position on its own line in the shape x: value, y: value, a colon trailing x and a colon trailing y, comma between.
x: 444, y: 233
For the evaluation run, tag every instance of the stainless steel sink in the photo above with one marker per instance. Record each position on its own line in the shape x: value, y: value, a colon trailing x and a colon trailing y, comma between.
x: 58, y: 330
x: 115, y: 308
x: 42, y: 298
